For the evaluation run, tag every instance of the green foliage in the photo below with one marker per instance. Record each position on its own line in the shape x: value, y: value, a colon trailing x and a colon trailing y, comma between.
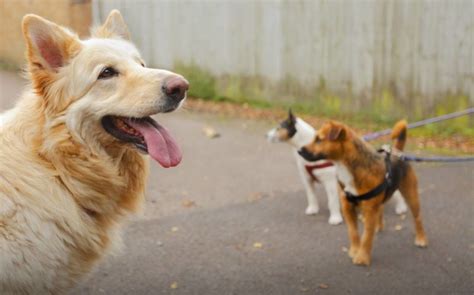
x: 202, y: 83
x: 380, y: 112
x: 8, y: 65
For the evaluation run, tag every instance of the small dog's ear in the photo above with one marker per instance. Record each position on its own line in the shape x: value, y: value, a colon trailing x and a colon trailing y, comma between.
x: 114, y: 25
x: 291, y: 116
x: 48, y: 45
x: 337, y: 132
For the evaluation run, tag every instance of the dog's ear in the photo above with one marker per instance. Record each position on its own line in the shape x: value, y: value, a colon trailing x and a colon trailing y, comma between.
x: 114, y: 25
x: 337, y: 132
x: 291, y: 117
x: 49, y: 46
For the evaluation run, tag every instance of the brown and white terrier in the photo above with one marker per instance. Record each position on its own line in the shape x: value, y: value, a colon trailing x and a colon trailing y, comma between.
x: 361, y: 169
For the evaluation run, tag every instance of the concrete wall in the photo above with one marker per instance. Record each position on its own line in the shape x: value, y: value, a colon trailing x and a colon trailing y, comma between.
x: 75, y: 14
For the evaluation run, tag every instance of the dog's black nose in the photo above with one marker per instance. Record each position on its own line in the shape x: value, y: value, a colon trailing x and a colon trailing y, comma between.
x: 175, y: 88
x: 306, y: 154
x: 302, y: 151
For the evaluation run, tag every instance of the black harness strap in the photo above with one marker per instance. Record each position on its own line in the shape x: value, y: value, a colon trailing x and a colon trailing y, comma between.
x: 381, y: 188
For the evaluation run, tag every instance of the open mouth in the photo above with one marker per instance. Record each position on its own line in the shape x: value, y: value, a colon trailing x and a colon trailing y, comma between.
x: 146, y: 135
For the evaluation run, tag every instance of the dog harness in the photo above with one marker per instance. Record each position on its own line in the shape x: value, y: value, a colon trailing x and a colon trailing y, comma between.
x: 381, y: 188
x: 310, y: 168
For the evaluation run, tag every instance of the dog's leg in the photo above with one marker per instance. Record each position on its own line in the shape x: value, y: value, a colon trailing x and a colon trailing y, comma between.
x: 313, y: 206
x: 370, y: 210
x: 380, y: 223
x: 400, y: 205
x: 350, y: 216
x: 332, y: 191
x: 409, y: 190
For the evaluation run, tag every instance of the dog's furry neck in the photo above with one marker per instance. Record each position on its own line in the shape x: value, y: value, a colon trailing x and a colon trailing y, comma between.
x: 363, y: 163
x: 102, y: 180
x: 305, y: 133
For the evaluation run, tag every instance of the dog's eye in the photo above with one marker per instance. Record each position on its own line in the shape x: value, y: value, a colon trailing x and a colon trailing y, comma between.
x: 143, y: 65
x: 108, y: 72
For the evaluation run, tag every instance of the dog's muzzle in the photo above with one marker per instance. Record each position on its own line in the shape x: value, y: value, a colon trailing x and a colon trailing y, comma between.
x: 175, y: 90
x: 308, y: 156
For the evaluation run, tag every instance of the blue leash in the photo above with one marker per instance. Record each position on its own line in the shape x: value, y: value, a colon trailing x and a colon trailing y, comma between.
x: 413, y: 158
x: 375, y: 135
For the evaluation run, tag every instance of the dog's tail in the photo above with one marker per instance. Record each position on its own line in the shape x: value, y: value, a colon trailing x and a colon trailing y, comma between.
x: 399, y: 135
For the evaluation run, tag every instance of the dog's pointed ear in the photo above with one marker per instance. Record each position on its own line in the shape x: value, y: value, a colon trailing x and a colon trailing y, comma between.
x: 114, y: 25
x: 291, y: 116
x: 49, y: 46
x: 337, y: 132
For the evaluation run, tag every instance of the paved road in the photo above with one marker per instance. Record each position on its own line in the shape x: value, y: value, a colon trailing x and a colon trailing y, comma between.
x: 246, y: 191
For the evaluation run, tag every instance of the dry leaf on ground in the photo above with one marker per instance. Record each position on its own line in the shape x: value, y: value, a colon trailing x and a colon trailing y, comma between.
x: 323, y: 286
x: 257, y: 245
x: 210, y: 132
x: 174, y: 285
x: 188, y: 203
x: 255, y: 197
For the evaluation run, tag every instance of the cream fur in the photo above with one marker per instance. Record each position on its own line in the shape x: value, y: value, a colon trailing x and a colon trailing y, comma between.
x: 66, y: 184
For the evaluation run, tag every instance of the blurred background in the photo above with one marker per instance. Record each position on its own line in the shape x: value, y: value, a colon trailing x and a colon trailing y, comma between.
x: 230, y: 218
x: 367, y: 60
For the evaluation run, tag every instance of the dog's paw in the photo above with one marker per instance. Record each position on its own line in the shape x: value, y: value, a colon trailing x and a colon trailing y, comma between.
x: 362, y: 259
x: 421, y: 242
x: 353, y: 251
x: 311, y: 210
x: 401, y: 208
x: 335, y: 219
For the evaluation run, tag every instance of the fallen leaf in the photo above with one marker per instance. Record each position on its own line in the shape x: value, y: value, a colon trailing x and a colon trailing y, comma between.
x: 188, y: 203
x: 323, y: 286
x: 174, y: 229
x: 255, y: 197
x: 210, y: 132
x: 304, y: 289
x: 398, y: 227
x: 344, y: 249
x: 403, y: 216
x: 257, y: 245
x: 174, y: 285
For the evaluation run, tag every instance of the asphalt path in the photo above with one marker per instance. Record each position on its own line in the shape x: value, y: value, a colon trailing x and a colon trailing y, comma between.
x: 230, y: 220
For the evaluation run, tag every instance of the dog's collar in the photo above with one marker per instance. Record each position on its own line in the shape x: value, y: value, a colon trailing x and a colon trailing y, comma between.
x: 381, y: 188
x: 311, y: 167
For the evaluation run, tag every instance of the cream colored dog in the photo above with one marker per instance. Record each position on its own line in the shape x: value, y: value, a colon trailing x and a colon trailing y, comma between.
x: 71, y: 152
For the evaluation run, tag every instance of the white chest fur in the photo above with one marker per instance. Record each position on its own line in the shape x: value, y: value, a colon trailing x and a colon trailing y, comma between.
x: 344, y: 176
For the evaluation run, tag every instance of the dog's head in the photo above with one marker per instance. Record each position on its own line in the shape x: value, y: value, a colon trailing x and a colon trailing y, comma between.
x: 285, y: 131
x: 329, y: 143
x: 99, y: 90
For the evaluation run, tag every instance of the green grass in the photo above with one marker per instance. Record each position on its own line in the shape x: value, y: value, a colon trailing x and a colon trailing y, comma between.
x: 382, y: 112
x: 8, y: 66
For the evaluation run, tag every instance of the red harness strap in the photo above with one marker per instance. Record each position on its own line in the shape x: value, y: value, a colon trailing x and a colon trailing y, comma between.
x: 310, y: 168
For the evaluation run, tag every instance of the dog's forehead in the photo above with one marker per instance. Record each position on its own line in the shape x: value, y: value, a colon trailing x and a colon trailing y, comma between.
x: 112, y: 47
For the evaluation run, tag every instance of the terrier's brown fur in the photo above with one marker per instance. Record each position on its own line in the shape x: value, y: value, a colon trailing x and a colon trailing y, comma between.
x: 360, y: 169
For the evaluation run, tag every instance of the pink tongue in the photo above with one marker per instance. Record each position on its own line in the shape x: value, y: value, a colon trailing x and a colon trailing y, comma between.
x: 161, y: 146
